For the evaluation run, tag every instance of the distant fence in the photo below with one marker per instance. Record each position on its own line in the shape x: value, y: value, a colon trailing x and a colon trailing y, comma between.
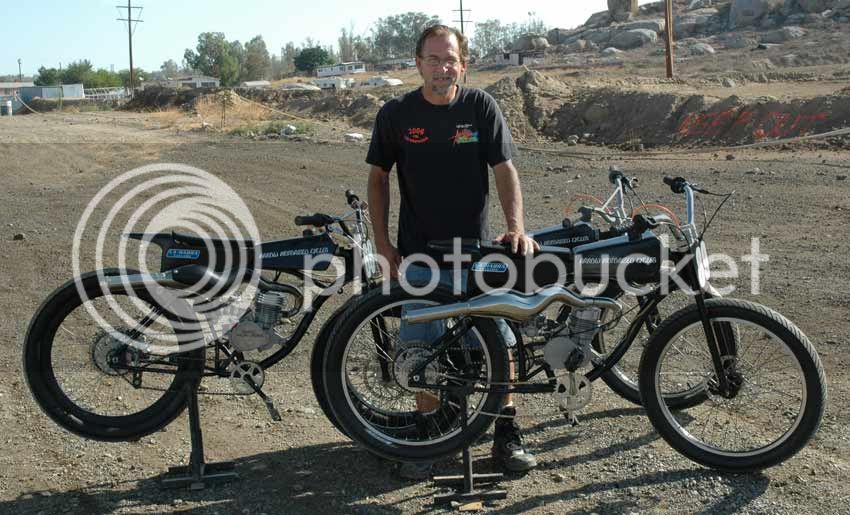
x: 106, y: 94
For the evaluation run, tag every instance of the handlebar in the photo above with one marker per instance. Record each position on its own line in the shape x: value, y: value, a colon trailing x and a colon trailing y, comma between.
x: 318, y: 220
x: 681, y: 185
x: 351, y: 199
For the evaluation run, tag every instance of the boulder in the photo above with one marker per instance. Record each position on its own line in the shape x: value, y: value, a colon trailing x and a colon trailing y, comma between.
x: 701, y: 49
x: 616, y: 7
x: 610, y: 51
x: 579, y: 45
x: 528, y: 42
x: 622, y: 17
x: 784, y: 34
x: 698, y: 4
x: 598, y: 36
x: 633, y: 38
x: 656, y: 25
x: 563, y: 36
x: 599, y: 19
x: 814, y: 6
x: 840, y: 5
x: 747, y: 12
x: 729, y: 83
x: 694, y: 22
x: 737, y: 41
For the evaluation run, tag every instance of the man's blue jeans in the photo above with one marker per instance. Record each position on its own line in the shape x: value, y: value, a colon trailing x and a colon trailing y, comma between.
x: 431, y: 331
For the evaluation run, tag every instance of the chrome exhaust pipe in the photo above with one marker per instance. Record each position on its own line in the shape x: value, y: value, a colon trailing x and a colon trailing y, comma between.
x: 510, y: 305
x: 122, y: 283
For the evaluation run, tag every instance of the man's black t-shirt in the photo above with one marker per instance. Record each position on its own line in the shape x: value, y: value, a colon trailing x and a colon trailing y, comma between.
x: 441, y: 153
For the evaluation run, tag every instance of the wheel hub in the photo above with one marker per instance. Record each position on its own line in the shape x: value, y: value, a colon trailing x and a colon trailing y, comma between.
x: 410, y: 359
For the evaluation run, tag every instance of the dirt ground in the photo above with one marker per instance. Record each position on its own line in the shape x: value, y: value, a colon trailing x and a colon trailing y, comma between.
x: 796, y: 201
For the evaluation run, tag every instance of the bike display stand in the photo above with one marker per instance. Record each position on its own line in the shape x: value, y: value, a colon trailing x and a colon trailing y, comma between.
x: 465, y: 484
x: 198, y: 473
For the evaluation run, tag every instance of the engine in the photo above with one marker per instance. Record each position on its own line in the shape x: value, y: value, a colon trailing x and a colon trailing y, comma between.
x: 257, y: 332
x: 570, y: 348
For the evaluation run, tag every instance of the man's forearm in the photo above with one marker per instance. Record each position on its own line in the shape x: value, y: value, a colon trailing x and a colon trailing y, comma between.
x: 510, y: 196
x: 379, y: 205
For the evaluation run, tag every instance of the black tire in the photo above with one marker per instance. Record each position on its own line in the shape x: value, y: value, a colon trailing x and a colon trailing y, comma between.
x: 399, y: 445
x: 85, y: 420
x: 780, y: 340
x: 624, y: 378
x: 316, y: 365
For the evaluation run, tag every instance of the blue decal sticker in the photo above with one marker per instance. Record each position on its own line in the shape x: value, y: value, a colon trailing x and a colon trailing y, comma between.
x: 183, y: 254
x: 491, y: 266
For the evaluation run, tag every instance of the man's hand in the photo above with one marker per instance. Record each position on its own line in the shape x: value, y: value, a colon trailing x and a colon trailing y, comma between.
x: 520, y: 242
x: 390, y: 259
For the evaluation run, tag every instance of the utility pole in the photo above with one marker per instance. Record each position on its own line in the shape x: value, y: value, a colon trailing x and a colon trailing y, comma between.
x: 668, y: 21
x: 130, y: 30
x: 20, y: 75
x: 462, y: 22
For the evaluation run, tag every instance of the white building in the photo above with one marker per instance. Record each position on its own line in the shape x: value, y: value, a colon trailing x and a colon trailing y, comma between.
x: 10, y: 88
x: 189, y: 81
x: 332, y: 70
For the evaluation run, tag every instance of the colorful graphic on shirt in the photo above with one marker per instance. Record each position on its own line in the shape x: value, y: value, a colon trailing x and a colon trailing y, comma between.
x: 465, y: 134
x: 416, y: 135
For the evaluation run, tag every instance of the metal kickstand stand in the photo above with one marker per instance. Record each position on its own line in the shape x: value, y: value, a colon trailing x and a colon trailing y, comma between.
x: 198, y: 473
x: 465, y: 484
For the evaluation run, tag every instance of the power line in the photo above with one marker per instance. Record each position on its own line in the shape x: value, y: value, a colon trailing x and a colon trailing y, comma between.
x: 461, y: 20
x: 131, y: 29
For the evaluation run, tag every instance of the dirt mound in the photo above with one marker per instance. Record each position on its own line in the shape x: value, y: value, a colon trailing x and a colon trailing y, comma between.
x: 528, y: 102
x: 155, y: 98
x: 536, y: 105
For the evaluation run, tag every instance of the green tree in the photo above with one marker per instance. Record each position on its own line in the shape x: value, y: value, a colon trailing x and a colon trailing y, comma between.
x: 169, y: 69
x: 47, y: 77
x: 103, y: 79
x: 489, y: 37
x: 288, y: 58
x: 77, y: 72
x: 258, y: 64
x: 311, y: 58
x: 213, y: 56
x: 396, y: 36
x: 139, y: 76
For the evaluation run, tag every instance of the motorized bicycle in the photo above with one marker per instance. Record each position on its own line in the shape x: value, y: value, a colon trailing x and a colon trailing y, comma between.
x: 754, y: 383
x: 107, y: 354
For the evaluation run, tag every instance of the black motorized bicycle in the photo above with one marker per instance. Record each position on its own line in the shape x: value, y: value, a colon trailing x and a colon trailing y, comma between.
x: 754, y: 386
x: 107, y: 354
x: 608, y: 219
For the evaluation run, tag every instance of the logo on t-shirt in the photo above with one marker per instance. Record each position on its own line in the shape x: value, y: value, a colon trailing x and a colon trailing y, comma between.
x: 415, y: 135
x: 465, y: 134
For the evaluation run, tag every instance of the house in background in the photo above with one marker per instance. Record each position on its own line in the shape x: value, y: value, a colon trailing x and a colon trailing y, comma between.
x: 65, y: 92
x: 189, y: 81
x: 332, y: 70
x: 8, y: 89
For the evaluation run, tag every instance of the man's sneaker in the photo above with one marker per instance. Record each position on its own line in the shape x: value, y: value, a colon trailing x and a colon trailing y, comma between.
x: 415, y: 471
x: 507, y: 444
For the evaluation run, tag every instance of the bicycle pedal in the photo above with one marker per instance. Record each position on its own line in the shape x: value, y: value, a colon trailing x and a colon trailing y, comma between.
x: 572, y: 418
x: 273, y: 412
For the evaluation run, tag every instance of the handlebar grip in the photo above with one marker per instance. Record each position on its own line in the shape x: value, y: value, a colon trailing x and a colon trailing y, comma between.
x: 350, y: 197
x: 677, y: 184
x: 317, y: 220
x: 615, y: 174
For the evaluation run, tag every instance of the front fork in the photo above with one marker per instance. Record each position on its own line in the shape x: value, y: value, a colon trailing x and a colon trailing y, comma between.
x: 720, y: 338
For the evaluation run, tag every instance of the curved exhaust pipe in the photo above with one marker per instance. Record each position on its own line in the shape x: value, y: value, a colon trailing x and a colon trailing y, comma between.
x: 511, y: 305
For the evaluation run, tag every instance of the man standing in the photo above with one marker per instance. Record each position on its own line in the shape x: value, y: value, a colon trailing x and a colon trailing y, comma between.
x: 441, y: 138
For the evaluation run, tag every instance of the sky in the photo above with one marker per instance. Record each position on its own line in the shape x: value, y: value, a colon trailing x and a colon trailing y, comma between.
x: 50, y: 32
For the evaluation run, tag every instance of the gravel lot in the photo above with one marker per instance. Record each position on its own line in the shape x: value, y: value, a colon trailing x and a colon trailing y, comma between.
x: 796, y: 201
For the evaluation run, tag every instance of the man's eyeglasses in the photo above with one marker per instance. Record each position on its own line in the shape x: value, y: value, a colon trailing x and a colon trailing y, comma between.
x: 433, y: 61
